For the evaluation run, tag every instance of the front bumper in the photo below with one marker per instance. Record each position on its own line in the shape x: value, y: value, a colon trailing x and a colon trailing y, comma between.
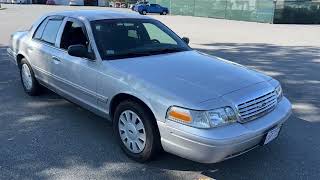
x: 217, y: 144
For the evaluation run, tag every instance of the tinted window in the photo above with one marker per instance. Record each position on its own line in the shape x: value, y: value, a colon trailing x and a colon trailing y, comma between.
x: 73, y: 34
x: 39, y: 31
x: 51, y: 30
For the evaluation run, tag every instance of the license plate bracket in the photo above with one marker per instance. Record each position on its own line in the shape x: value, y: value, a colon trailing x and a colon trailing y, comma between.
x: 271, y: 135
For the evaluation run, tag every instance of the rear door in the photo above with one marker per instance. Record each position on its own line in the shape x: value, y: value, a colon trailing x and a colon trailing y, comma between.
x: 42, y: 46
x: 158, y: 8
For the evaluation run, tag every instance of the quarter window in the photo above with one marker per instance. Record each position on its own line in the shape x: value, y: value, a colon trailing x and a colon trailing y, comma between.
x: 51, y: 30
x: 40, y: 29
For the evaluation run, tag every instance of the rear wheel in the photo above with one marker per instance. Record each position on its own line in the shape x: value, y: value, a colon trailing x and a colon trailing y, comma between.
x: 136, y: 131
x: 28, y: 80
x: 164, y: 13
x: 144, y: 12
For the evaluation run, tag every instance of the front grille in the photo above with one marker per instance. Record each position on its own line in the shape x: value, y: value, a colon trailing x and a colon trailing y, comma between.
x: 257, y: 107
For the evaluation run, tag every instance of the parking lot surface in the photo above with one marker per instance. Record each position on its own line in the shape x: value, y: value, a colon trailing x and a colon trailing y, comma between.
x: 47, y: 137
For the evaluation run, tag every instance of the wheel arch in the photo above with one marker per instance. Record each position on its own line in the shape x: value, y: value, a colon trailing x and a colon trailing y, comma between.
x: 21, y: 55
x: 19, y: 59
x: 117, y: 99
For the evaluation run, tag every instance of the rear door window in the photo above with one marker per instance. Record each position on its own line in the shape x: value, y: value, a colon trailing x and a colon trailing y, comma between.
x: 51, y: 30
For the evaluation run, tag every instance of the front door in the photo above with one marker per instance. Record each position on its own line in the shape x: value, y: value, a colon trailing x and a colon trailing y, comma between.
x: 77, y: 76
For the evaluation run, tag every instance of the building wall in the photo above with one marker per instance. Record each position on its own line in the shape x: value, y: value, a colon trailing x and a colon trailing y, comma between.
x: 62, y: 2
x: 297, y: 12
x: 66, y: 2
x: 102, y: 3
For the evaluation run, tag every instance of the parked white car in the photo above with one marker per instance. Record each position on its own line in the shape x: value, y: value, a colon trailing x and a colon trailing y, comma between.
x: 19, y: 1
x: 76, y: 2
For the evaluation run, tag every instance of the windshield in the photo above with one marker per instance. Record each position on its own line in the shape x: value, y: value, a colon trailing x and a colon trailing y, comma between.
x: 126, y: 38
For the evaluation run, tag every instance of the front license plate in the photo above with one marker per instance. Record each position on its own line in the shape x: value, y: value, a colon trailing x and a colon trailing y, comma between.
x: 272, y: 134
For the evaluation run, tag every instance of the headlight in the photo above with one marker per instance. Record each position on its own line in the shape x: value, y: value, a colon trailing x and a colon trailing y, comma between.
x: 189, y: 117
x: 279, y: 93
x: 222, y: 116
x: 202, y: 119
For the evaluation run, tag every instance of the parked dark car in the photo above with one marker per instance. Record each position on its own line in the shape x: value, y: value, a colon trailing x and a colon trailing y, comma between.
x: 151, y: 8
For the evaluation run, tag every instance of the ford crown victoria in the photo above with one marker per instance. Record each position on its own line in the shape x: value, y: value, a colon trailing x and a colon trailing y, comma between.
x: 159, y: 93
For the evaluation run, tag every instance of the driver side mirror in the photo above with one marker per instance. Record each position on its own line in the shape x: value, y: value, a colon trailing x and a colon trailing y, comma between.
x: 79, y: 51
x: 186, y: 40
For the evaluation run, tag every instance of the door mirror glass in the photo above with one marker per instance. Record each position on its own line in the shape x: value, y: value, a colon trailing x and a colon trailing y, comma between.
x: 186, y: 40
x: 78, y: 51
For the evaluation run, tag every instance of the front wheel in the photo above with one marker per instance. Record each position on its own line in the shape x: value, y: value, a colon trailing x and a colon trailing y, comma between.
x: 164, y: 13
x: 29, y: 82
x: 136, y: 131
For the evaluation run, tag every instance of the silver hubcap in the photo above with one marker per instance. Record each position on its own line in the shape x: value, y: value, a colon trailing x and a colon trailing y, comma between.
x: 132, y: 131
x: 26, y: 77
x: 164, y: 13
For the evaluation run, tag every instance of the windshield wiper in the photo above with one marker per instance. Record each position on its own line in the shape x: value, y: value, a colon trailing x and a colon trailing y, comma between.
x: 130, y: 54
x: 165, y: 50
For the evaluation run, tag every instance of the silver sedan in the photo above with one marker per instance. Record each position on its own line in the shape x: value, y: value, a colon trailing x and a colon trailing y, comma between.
x: 158, y: 92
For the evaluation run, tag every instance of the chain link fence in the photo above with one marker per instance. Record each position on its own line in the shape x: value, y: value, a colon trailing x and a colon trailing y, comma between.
x: 246, y: 10
x: 268, y: 11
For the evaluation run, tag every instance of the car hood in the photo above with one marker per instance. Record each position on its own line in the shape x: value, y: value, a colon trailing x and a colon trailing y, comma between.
x: 190, y: 75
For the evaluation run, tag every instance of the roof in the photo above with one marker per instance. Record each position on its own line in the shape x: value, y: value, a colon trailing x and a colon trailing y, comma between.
x: 92, y: 15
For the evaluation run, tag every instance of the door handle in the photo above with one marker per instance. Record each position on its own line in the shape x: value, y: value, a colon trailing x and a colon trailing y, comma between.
x: 55, y: 59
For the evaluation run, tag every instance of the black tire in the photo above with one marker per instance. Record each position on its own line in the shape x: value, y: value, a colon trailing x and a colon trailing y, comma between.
x: 164, y: 13
x: 35, y: 86
x: 152, y: 144
x: 144, y: 12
